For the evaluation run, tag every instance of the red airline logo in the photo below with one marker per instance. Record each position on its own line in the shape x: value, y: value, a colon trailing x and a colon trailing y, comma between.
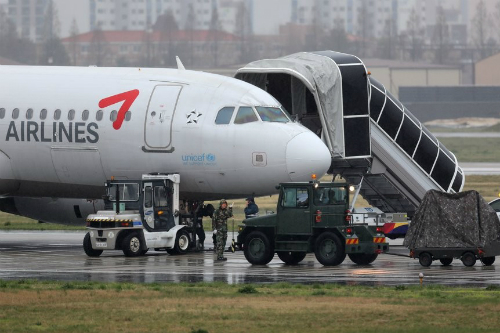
x: 127, y: 98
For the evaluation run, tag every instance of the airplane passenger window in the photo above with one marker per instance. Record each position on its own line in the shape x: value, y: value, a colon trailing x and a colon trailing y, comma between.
x: 71, y: 114
x: 98, y: 115
x: 85, y: 115
x: 43, y: 114
x: 272, y: 114
x: 128, y: 116
x: 113, y: 115
x: 245, y: 115
x: 2, y: 113
x: 29, y: 114
x: 15, y: 113
x: 57, y: 114
x: 224, y: 116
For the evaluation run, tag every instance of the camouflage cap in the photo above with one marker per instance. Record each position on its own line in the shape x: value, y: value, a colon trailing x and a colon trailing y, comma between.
x: 222, y: 201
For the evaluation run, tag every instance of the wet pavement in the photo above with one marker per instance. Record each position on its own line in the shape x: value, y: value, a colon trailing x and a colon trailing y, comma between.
x: 59, y: 256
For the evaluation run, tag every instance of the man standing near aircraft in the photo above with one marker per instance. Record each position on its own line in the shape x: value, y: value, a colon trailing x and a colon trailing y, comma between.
x: 251, y: 210
x: 219, y: 223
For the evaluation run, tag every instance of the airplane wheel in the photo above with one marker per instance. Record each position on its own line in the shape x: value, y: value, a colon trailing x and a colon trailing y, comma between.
x: 329, y: 250
x: 291, y: 258
x: 258, y: 249
x: 182, y: 242
x: 131, y: 245
x: 425, y: 259
x: 469, y: 259
x: 446, y: 261
x: 87, y: 247
x: 487, y: 261
x: 362, y: 258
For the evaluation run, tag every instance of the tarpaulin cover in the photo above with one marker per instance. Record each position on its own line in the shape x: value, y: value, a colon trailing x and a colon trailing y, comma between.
x: 444, y: 220
x: 315, y: 72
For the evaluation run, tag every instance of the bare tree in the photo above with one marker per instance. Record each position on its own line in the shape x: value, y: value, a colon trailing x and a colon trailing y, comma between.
x: 190, y: 29
x: 415, y: 34
x: 315, y: 35
x: 387, y: 44
x: 363, y: 29
x: 481, y: 24
x: 12, y: 46
x: 98, y: 47
x: 441, y: 36
x: 214, y: 36
x: 337, y: 39
x: 243, y: 31
x: 167, y: 26
x: 53, y: 52
x: 73, y: 32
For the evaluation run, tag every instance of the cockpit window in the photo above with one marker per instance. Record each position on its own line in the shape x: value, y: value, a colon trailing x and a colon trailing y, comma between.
x: 224, y: 116
x: 245, y: 115
x: 272, y: 114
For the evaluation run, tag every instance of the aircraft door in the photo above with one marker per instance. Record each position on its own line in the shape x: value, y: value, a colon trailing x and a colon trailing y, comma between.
x: 161, y: 110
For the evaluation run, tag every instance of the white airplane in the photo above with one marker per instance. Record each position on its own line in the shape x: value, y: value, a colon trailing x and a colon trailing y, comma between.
x: 65, y: 130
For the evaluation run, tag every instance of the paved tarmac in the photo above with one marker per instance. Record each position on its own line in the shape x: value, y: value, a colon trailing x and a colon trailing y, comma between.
x: 59, y: 256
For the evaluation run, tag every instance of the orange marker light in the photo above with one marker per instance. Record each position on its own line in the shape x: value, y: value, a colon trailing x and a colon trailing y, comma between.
x: 313, y: 176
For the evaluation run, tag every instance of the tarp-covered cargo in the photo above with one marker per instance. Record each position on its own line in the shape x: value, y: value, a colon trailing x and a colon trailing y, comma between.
x: 461, y: 220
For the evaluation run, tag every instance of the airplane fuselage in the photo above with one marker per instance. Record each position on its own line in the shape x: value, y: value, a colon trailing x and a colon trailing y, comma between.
x: 65, y: 130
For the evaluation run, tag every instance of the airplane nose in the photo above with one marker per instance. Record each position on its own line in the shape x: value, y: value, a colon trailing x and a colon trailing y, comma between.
x: 307, y: 154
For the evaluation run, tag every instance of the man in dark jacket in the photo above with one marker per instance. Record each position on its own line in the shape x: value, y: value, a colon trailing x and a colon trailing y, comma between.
x: 251, y: 210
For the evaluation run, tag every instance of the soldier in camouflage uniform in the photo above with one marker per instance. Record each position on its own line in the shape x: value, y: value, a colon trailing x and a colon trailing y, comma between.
x: 219, y: 223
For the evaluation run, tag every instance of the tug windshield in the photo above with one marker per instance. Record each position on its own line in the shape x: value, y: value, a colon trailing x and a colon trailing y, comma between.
x: 127, y: 192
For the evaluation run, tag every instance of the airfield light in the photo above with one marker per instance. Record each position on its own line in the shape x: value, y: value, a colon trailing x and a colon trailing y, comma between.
x: 351, y: 188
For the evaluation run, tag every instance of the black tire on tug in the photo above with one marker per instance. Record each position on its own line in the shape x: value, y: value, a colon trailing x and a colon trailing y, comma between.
x: 329, y: 249
x: 487, y: 261
x: 258, y: 249
x: 363, y: 259
x: 131, y: 245
x: 469, y: 259
x: 446, y: 261
x: 87, y: 247
x: 425, y: 259
x: 182, y: 242
x: 291, y: 258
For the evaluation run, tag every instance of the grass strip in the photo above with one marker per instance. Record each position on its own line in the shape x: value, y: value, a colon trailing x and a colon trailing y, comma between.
x: 33, y: 306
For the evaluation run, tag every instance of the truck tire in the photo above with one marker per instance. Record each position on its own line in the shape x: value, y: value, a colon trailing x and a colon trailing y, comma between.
x: 446, y: 261
x: 469, y: 259
x: 182, y: 242
x: 329, y: 249
x: 291, y: 258
x: 425, y: 259
x: 258, y: 249
x: 131, y: 245
x: 87, y: 247
x: 487, y: 261
x: 363, y: 258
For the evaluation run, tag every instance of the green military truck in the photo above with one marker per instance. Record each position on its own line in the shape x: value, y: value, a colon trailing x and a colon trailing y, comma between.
x: 311, y: 217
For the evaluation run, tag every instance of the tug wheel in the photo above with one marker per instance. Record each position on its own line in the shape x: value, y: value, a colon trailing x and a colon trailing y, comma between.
x: 87, y: 247
x: 487, y: 261
x: 131, y: 245
x: 446, y: 261
x: 425, y: 259
x: 291, y: 258
x: 329, y: 250
x: 362, y: 258
x: 469, y: 259
x: 258, y: 249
